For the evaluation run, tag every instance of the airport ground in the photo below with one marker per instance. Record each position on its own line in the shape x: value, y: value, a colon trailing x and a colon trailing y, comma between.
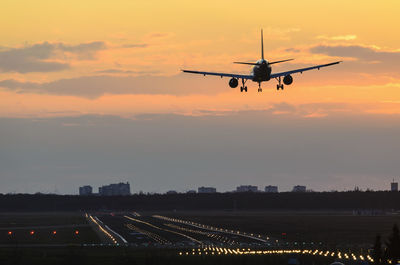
x: 182, y: 237
x: 335, y: 229
x: 126, y: 255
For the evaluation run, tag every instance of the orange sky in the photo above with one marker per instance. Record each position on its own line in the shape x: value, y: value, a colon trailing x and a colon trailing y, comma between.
x: 44, y: 42
x: 102, y: 60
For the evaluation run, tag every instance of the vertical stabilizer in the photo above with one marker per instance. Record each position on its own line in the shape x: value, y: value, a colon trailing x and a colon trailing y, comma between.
x: 262, y: 45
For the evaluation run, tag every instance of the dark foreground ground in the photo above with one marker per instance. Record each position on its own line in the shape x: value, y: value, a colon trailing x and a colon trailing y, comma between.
x: 170, y: 237
x: 126, y: 255
x: 53, y: 228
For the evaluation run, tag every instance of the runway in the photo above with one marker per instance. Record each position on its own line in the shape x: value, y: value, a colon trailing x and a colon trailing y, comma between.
x: 156, y: 230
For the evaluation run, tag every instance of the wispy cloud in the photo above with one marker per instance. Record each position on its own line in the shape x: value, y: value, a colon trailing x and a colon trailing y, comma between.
x: 135, y: 45
x: 121, y: 71
x: 96, y: 86
x: 317, y: 151
x: 279, y: 33
x: 338, y: 37
x: 159, y: 35
x: 359, y: 52
x: 46, y: 57
x: 364, y: 60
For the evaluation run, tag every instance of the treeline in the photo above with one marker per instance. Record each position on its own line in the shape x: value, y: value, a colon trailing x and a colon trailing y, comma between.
x: 389, y: 251
x: 363, y: 202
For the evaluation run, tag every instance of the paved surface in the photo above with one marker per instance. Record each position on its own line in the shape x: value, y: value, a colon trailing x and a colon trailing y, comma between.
x: 159, y: 231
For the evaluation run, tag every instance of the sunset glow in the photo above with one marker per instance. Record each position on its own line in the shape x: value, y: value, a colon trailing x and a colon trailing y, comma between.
x: 54, y: 46
x: 92, y: 92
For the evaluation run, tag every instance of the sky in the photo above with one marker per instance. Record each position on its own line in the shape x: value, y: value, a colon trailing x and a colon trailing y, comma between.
x: 92, y: 93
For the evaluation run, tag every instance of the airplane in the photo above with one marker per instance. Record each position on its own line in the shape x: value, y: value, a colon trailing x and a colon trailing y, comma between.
x: 262, y: 72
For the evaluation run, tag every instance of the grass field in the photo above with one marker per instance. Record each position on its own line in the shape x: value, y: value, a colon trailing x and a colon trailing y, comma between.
x: 45, y: 228
x: 40, y: 218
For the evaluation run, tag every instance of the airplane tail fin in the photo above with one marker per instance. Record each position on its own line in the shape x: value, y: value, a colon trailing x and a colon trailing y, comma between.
x: 262, y: 45
x: 262, y: 54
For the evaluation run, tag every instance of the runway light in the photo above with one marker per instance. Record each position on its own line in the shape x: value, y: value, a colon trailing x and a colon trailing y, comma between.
x: 32, y: 232
x: 54, y: 232
x: 9, y: 233
x: 76, y: 232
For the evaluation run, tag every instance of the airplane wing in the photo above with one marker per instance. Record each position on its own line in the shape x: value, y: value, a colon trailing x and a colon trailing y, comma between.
x: 219, y: 74
x: 301, y: 70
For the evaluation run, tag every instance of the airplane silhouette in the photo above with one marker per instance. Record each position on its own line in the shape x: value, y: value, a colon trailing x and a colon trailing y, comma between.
x: 262, y: 72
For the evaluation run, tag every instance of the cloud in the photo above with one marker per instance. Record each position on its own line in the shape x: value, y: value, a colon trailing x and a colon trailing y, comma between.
x: 312, y: 110
x: 292, y: 50
x: 279, y: 33
x: 159, y: 35
x: 359, y: 52
x: 45, y: 57
x: 115, y: 71
x: 80, y: 48
x: 135, y: 45
x: 363, y: 61
x: 96, y: 86
x: 251, y: 147
x: 340, y: 37
x: 120, y: 71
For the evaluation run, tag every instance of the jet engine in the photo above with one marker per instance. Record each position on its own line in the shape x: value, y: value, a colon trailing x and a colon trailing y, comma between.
x: 233, y: 82
x: 288, y: 79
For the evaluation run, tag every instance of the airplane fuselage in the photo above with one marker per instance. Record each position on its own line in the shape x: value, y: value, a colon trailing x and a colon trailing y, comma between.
x: 261, y: 71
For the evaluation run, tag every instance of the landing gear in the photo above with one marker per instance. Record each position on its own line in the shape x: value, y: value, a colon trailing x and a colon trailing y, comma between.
x: 259, y: 87
x: 279, y: 85
x: 243, y: 87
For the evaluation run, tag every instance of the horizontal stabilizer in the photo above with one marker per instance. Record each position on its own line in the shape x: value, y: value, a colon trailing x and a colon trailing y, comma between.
x: 281, y: 61
x: 246, y: 63
x: 268, y: 62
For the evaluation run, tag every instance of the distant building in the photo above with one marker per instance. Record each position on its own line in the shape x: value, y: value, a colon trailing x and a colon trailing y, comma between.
x: 115, y: 189
x: 247, y: 188
x: 191, y: 191
x: 207, y: 190
x: 172, y: 192
x: 271, y: 189
x: 299, y: 188
x: 86, y: 190
x: 394, y: 186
